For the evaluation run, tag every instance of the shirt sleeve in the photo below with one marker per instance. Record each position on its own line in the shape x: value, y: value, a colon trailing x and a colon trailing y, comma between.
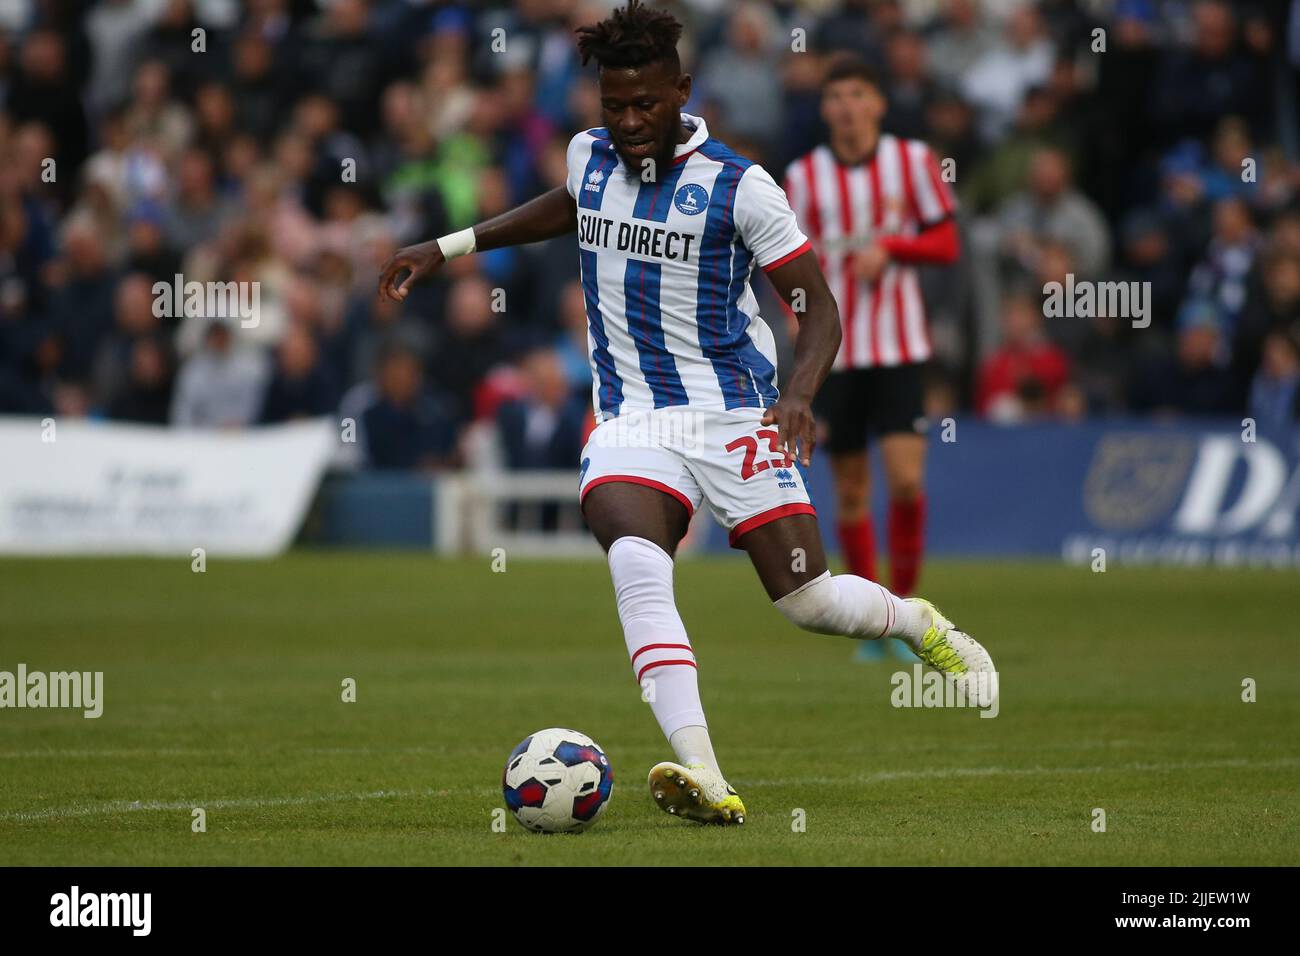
x: 765, y: 222
x: 578, y: 154
x: 932, y: 198
x: 795, y: 193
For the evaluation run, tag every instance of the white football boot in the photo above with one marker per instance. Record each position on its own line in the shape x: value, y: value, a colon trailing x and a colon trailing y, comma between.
x: 696, y: 793
x: 958, y: 655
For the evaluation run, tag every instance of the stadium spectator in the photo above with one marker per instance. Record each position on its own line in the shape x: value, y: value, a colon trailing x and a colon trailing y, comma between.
x: 1194, y: 380
x: 1221, y: 275
x: 1275, y: 392
x: 1004, y: 169
x: 147, y: 250
x: 44, y: 89
x: 859, y: 27
x: 407, y: 426
x: 221, y: 385
x: 950, y: 128
x: 1272, y: 304
x: 81, y: 297
x: 1213, y: 78
x: 1103, y: 359
x: 156, y: 119
x: 113, y: 29
x: 146, y: 395
x: 133, y: 320
x: 471, y: 344
x: 546, y: 427
x: 197, y: 209
x: 1021, y: 59
x: 1149, y: 256
x: 301, y: 385
x: 571, y: 340
x: 958, y: 39
x: 1052, y: 210
x: 738, y: 79
x: 1023, y: 379
x: 910, y: 86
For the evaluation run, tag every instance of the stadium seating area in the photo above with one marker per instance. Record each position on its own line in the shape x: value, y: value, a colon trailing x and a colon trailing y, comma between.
x: 1169, y: 158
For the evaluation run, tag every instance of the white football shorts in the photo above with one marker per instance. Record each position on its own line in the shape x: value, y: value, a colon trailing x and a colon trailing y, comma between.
x: 723, y: 457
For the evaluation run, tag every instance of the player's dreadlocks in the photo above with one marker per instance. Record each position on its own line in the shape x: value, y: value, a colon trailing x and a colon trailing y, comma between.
x: 631, y: 36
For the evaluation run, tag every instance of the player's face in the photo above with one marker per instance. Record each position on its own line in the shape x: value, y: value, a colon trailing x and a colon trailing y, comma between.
x: 641, y: 108
x: 852, y: 108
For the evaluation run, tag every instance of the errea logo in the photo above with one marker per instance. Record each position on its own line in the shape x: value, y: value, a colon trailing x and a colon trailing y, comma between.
x: 785, y: 478
x: 594, y: 179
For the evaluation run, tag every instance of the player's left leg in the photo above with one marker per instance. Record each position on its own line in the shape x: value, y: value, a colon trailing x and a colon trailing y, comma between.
x: 787, y: 554
x: 897, y: 400
x: 903, y: 455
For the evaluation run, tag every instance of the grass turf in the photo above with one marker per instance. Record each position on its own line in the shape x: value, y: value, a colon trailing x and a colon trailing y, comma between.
x: 1120, y: 691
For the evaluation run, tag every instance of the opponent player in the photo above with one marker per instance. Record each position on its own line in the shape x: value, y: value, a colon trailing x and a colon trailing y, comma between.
x: 670, y: 223
x: 874, y: 206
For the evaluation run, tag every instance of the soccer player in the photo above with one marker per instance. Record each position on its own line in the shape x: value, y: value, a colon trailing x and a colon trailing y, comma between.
x: 670, y: 223
x: 874, y: 206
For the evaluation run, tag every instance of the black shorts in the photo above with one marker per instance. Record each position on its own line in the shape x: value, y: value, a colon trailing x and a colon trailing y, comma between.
x: 860, y: 402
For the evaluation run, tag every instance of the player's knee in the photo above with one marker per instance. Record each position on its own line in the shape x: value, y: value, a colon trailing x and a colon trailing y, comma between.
x: 642, y: 572
x: 906, y: 490
x: 851, y: 499
x: 815, y: 606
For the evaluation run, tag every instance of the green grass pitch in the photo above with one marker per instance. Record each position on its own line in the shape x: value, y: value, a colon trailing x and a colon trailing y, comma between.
x: 222, y: 690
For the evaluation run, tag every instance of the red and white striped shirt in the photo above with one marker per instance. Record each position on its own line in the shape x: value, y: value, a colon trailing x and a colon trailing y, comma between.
x: 891, y: 197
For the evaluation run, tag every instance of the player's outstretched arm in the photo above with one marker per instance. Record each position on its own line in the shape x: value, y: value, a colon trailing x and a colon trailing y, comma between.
x: 802, y: 286
x: 549, y: 215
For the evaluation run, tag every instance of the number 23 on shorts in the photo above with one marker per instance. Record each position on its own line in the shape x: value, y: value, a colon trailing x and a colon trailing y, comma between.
x: 751, y: 466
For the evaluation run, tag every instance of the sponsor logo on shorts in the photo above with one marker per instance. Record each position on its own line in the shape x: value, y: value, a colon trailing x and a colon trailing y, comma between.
x: 785, y: 478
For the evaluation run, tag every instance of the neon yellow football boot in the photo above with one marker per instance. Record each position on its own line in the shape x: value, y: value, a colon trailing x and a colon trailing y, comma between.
x: 956, y: 654
x: 696, y: 793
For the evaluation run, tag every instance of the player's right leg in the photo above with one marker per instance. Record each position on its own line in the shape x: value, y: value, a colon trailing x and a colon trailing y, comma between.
x: 638, y: 503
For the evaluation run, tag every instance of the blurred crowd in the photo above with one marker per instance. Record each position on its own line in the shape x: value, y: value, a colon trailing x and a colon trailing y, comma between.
x: 298, y: 143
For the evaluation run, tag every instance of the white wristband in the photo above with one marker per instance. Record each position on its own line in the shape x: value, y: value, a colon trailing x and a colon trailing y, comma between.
x: 457, y: 244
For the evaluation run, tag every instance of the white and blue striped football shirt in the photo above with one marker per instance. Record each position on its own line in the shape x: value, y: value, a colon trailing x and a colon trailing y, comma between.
x: 671, y: 319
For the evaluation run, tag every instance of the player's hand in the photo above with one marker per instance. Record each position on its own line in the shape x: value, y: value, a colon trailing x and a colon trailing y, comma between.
x: 869, y: 263
x: 422, y: 260
x: 796, y: 428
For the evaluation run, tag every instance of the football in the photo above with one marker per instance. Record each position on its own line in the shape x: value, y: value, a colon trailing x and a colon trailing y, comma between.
x: 557, y: 781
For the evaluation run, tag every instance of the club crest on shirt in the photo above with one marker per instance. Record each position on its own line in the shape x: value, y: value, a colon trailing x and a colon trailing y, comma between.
x: 691, y: 199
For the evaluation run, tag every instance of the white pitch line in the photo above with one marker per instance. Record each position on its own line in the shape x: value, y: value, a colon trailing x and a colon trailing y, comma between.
x: 257, y: 803
x: 233, y: 803
x: 886, y: 776
x: 210, y: 752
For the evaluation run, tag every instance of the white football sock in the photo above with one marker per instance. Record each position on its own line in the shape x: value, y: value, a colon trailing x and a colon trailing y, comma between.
x: 854, y: 607
x: 692, y: 746
x: 661, y: 653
